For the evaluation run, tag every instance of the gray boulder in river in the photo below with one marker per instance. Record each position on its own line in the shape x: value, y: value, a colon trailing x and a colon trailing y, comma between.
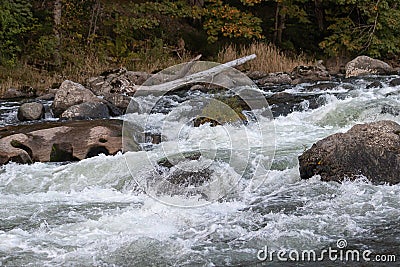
x: 363, y: 65
x: 71, y: 94
x: 371, y: 150
x: 60, y: 141
x: 30, y: 111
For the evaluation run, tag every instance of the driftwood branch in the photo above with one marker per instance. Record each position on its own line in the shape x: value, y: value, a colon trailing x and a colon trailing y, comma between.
x: 178, y: 80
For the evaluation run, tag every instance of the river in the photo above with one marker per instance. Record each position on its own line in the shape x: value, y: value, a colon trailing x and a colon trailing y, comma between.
x: 93, y: 213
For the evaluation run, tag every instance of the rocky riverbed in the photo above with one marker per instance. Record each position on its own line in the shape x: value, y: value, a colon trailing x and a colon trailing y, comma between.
x: 93, y: 211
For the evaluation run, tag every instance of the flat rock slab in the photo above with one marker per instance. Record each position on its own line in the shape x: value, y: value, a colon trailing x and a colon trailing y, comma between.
x: 371, y: 150
x: 60, y: 141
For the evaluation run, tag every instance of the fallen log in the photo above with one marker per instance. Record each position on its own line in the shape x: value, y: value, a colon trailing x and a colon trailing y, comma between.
x: 165, y: 82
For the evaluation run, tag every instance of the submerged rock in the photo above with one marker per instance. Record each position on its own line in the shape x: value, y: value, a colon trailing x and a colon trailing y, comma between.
x: 364, y: 65
x: 284, y: 103
x: 375, y: 84
x: 59, y: 141
x: 183, y: 176
x: 30, y: 111
x: 371, y: 150
x: 395, y: 82
x: 321, y: 87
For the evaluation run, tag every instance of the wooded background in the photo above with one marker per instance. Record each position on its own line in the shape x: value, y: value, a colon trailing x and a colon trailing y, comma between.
x: 50, y: 34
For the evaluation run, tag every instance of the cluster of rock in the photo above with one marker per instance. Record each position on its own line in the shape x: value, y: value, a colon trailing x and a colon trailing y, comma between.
x: 370, y: 150
x: 106, y: 95
x: 109, y: 94
x: 300, y: 74
x: 117, y: 81
x: 71, y: 138
x: 360, y: 66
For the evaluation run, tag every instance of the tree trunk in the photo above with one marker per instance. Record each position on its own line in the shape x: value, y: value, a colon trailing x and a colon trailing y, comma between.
x: 282, y: 20
x: 57, y: 9
x: 277, y: 10
x: 319, y: 14
x: 199, y: 3
x: 96, y: 9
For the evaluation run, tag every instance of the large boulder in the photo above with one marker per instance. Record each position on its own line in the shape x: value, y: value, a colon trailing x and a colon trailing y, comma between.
x: 60, y: 141
x: 371, y: 150
x: 364, y: 65
x: 30, y: 111
x: 86, y: 111
x: 12, y: 149
x: 71, y: 94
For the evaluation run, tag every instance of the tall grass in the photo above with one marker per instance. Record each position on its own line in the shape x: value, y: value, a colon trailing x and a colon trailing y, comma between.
x: 78, y: 67
x: 40, y: 79
x: 269, y: 58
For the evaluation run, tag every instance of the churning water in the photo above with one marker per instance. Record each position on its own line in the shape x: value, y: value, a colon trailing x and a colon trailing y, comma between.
x: 93, y: 213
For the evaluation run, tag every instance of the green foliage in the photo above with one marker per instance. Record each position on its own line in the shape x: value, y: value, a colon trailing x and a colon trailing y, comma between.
x: 363, y: 27
x: 15, y: 21
x: 44, y: 48
x: 129, y: 27
x: 130, y: 33
x: 224, y: 20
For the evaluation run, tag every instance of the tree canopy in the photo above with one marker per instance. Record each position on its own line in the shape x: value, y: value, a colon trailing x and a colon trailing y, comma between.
x: 51, y: 32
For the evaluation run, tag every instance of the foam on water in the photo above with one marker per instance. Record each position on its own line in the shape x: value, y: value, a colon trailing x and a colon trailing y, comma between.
x: 93, y: 213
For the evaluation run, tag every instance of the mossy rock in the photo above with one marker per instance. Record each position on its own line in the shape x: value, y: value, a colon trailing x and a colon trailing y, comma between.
x: 223, y: 110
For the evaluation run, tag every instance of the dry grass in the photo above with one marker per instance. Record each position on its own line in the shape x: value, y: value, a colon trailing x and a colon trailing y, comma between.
x: 24, y: 75
x: 40, y: 79
x: 155, y: 64
x: 80, y: 67
x: 269, y: 58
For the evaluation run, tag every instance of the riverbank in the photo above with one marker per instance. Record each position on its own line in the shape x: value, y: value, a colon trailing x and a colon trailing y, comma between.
x: 110, y: 94
x: 92, y: 211
x: 24, y: 76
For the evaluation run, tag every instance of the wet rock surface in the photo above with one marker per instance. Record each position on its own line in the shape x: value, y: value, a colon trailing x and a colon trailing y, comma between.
x: 371, y: 150
x: 59, y: 141
x: 71, y: 94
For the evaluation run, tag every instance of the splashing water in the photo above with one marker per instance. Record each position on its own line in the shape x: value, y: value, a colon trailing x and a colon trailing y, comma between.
x: 93, y: 213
